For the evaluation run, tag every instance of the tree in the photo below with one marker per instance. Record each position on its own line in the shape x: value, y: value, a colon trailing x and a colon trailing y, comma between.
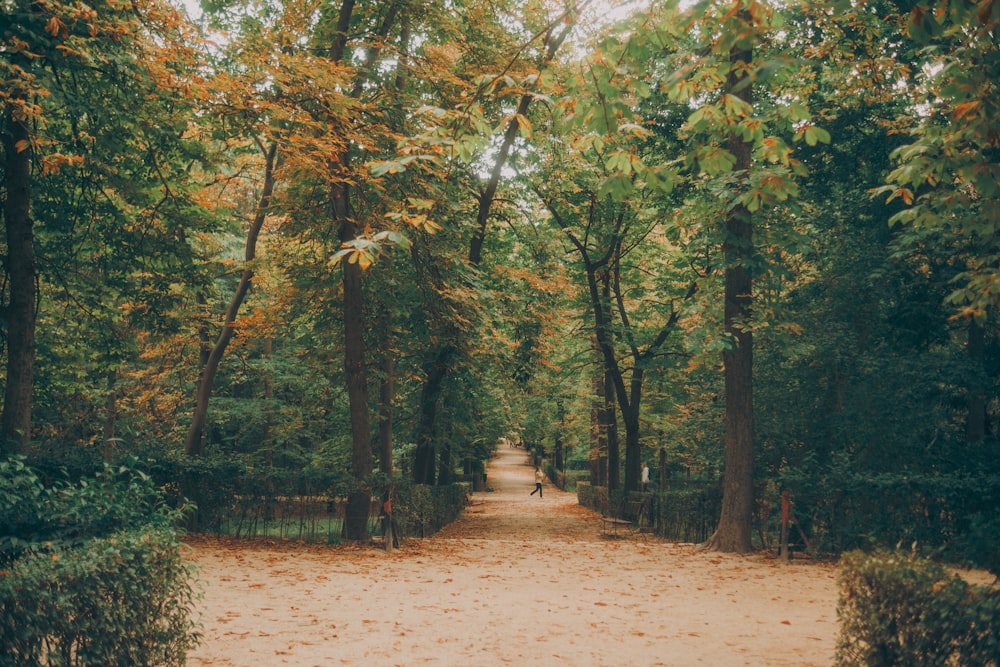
x: 738, y: 150
x: 947, y: 178
x: 552, y: 35
x: 733, y: 533
x: 72, y: 78
x: 19, y: 260
x: 194, y: 444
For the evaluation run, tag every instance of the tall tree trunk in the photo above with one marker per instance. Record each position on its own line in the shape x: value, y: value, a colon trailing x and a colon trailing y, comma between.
x: 445, y: 464
x: 356, y: 374
x: 194, y: 444
x: 598, y: 433
x: 386, y: 396
x: 430, y: 392
x: 110, y: 416
x: 611, y: 426
x: 735, y: 521
x: 15, y: 430
x: 387, y: 383
x: 557, y: 455
x: 204, y: 335
x: 355, y: 357
x: 975, y: 425
x: 614, y: 383
x: 267, y: 425
x: 633, y: 448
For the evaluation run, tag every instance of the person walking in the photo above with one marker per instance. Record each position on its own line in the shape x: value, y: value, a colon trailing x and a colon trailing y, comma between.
x: 539, y: 476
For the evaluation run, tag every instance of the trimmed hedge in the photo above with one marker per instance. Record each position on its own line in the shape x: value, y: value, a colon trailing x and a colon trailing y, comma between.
x: 121, y: 600
x: 421, y: 510
x: 92, y: 572
x: 686, y: 512
x: 897, y: 609
x: 846, y: 511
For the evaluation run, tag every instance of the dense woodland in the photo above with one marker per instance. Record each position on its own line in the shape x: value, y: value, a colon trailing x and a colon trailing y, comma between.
x: 370, y: 239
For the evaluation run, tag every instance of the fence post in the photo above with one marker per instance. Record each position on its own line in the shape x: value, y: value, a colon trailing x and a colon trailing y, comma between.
x: 786, y: 507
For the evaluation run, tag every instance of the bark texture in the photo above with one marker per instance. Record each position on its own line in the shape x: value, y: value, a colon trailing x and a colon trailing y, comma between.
x: 20, y: 265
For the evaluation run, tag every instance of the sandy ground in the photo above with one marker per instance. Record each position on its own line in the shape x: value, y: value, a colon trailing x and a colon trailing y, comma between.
x: 519, y: 580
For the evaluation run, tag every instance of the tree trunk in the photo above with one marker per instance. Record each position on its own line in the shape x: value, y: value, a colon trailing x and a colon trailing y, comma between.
x: 445, y: 464
x: 736, y: 518
x: 387, y: 384
x: 20, y: 261
x: 430, y: 392
x: 194, y: 444
x: 110, y: 416
x: 557, y: 454
x: 614, y: 383
x: 356, y: 374
x: 386, y: 396
x: 358, y: 502
x: 598, y: 434
x: 975, y: 425
x: 611, y: 426
x: 633, y: 448
x: 267, y: 421
x: 355, y: 359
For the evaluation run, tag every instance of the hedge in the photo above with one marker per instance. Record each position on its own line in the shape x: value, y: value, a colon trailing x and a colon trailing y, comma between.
x: 91, y: 572
x: 954, y: 513
x: 898, y: 609
x: 121, y: 600
x: 686, y: 512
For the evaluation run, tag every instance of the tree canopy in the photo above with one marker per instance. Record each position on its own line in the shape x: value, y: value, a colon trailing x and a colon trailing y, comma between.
x: 374, y: 238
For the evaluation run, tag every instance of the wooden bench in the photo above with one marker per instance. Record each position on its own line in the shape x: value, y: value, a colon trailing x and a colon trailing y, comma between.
x: 629, y: 515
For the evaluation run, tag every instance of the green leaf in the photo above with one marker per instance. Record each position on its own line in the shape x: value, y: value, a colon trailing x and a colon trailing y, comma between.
x: 619, y: 187
x: 816, y: 135
x: 715, y: 160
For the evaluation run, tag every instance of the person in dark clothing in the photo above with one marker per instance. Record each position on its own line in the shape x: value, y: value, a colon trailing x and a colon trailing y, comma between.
x: 539, y: 476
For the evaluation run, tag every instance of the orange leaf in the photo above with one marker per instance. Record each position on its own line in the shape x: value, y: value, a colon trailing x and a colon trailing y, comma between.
x: 965, y: 109
x: 53, y: 26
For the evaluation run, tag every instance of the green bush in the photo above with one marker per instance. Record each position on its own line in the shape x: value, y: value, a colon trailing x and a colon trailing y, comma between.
x: 121, y: 600
x: 683, y: 511
x: 898, y: 609
x: 980, y: 546
x: 422, y: 510
x: 592, y: 497
x: 34, y: 516
x: 846, y: 510
x: 92, y: 572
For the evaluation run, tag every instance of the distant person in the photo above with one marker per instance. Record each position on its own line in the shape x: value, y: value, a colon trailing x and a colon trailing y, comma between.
x: 645, y: 476
x: 539, y: 477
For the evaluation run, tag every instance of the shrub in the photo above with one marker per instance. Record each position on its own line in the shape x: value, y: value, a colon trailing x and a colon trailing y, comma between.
x: 37, y: 517
x: 898, y: 609
x: 422, y: 510
x: 93, y: 573
x: 123, y: 600
x: 980, y: 547
x: 847, y: 510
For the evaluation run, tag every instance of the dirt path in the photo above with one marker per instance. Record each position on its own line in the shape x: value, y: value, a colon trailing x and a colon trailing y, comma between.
x: 518, y: 580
